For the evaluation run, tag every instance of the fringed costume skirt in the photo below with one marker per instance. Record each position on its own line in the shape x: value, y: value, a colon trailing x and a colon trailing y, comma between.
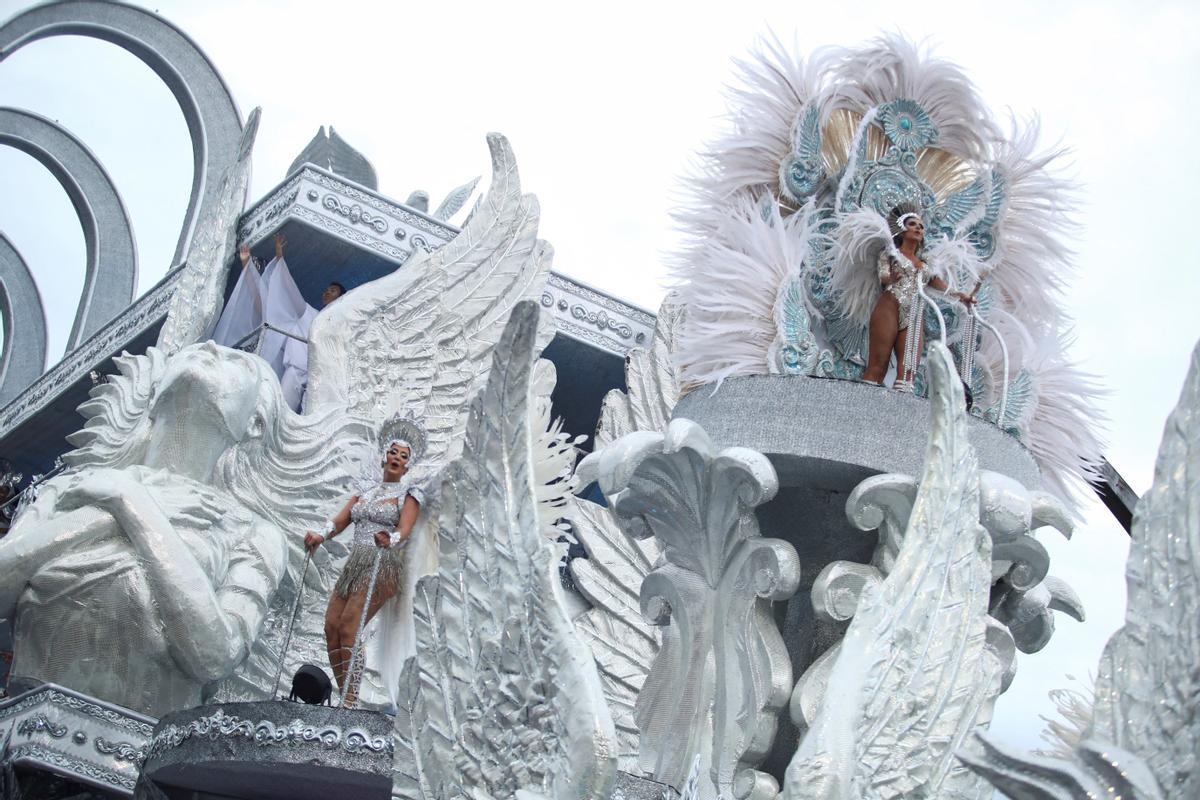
x: 356, y: 573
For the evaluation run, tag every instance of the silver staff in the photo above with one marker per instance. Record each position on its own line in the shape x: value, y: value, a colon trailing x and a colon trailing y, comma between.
x: 287, y: 639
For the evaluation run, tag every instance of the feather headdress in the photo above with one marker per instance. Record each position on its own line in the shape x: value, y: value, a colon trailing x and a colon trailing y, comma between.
x: 731, y: 304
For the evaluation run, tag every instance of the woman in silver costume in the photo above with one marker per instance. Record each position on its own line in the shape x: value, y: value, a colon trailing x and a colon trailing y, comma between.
x: 383, y: 517
x: 899, y: 305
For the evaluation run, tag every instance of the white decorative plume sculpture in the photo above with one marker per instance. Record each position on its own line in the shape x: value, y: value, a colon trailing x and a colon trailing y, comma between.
x: 503, y: 698
x: 722, y: 673
x: 1144, y: 739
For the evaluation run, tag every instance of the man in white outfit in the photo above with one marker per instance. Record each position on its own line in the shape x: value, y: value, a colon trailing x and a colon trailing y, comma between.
x: 273, y: 298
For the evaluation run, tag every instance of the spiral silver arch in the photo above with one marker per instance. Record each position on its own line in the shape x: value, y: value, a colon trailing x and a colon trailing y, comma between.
x: 24, y: 324
x: 208, y: 107
x: 110, y: 275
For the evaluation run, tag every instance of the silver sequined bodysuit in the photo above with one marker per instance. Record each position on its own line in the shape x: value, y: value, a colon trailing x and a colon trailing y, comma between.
x: 905, y: 289
x: 377, y: 509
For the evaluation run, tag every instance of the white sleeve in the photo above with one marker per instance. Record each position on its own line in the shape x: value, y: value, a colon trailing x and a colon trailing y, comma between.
x: 244, y: 311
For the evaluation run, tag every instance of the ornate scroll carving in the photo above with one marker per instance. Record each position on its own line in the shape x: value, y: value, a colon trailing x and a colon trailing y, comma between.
x: 722, y: 673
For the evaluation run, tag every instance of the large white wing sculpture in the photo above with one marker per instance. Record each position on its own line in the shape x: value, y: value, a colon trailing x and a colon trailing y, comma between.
x: 611, y: 576
x: 503, y: 698
x: 914, y: 677
x: 418, y: 341
x: 1144, y: 738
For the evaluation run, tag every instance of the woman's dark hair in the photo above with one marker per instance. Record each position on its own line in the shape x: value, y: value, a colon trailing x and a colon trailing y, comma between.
x: 341, y: 289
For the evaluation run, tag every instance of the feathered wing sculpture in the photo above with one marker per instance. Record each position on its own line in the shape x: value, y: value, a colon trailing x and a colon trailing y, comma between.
x: 503, y: 695
x: 611, y: 576
x: 198, y: 300
x: 455, y: 200
x: 418, y: 340
x: 1144, y: 737
x: 914, y: 675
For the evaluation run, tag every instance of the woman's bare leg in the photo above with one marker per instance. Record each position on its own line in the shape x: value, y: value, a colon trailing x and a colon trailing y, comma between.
x: 348, y: 630
x: 882, y: 337
x: 333, y: 637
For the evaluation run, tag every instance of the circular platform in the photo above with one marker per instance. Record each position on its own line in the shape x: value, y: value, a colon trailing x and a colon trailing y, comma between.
x: 828, y: 432
x: 274, y: 750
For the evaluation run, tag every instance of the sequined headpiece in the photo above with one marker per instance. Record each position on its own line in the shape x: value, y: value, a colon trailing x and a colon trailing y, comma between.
x: 900, y: 215
x: 404, y: 432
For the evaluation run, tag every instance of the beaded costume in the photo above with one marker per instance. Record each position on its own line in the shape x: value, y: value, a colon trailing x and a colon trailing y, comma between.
x: 377, y: 509
x: 905, y: 289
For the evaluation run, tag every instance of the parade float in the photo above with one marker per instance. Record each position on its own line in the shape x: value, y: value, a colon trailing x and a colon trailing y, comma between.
x: 763, y: 575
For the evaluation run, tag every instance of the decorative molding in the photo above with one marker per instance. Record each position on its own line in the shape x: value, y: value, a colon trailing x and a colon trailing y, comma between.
x: 328, y: 202
x: 354, y: 213
x: 82, y: 738
x: 596, y: 318
x: 145, y: 312
x: 264, y: 732
x: 37, y: 723
x: 121, y: 751
x: 71, y: 766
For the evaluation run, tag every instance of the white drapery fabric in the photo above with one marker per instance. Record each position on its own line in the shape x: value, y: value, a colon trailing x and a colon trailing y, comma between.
x: 273, y: 298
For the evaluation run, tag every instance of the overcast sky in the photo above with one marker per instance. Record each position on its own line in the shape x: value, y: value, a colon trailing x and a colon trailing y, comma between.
x: 606, y: 103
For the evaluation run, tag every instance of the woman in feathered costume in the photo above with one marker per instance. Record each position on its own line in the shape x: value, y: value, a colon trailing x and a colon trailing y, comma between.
x: 897, y: 319
x: 383, y: 516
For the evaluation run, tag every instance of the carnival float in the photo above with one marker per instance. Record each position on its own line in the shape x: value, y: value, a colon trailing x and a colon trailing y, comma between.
x: 724, y: 551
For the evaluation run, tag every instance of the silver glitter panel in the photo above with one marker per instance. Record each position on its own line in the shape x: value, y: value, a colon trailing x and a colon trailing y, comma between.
x: 631, y: 787
x: 273, y: 749
x: 837, y: 430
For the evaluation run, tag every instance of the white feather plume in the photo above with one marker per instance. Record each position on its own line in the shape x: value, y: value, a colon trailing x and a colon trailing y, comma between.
x: 891, y: 67
x: 955, y: 260
x: 771, y: 87
x: 1063, y: 428
x: 861, y: 235
x: 1032, y: 264
x: 856, y: 145
x: 732, y: 290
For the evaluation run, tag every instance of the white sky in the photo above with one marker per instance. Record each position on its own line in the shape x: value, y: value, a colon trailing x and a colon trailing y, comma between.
x: 605, y: 104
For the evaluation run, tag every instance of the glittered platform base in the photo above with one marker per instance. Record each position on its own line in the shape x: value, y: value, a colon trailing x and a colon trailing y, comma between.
x: 274, y: 750
x: 631, y: 787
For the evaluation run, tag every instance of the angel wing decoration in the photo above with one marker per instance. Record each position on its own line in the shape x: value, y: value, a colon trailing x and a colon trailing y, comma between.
x: 1144, y: 737
x: 419, y: 340
x: 503, y: 697
x: 455, y: 200
x: 418, y: 343
x: 611, y: 576
x: 914, y: 673
x: 197, y: 302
